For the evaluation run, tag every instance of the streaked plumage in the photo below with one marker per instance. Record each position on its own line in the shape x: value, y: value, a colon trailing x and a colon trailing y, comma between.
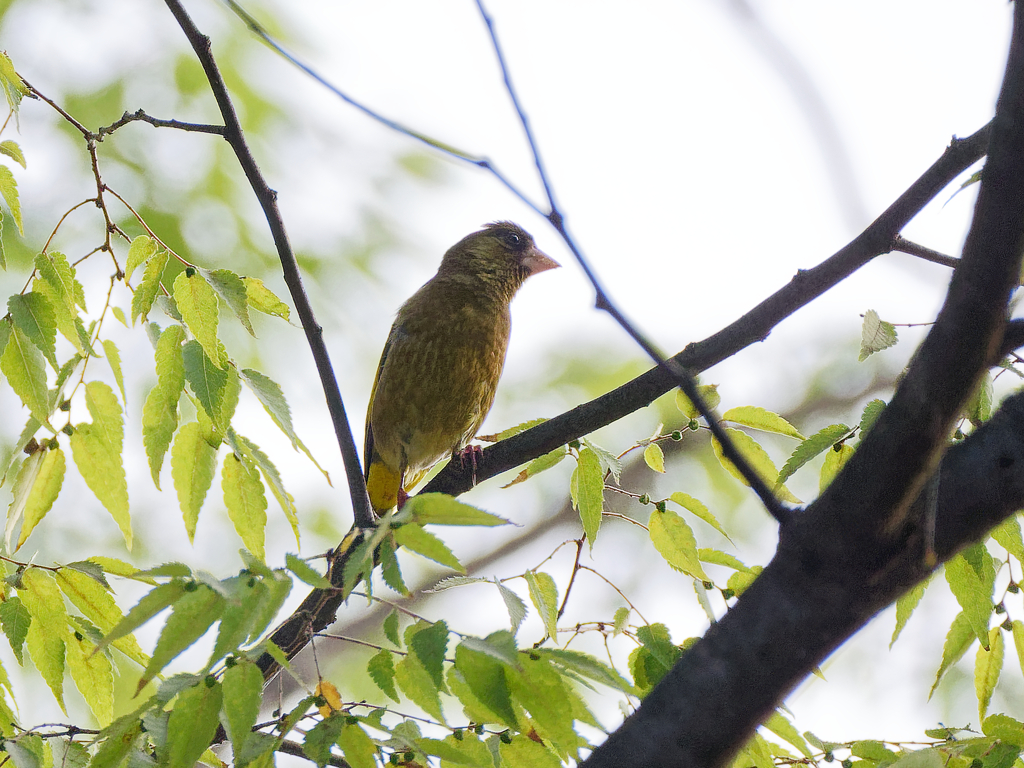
x: 443, y: 357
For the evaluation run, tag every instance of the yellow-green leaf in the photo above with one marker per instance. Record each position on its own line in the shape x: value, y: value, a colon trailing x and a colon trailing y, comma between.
x: 416, y: 683
x: 114, y: 361
x: 759, y: 418
x: 192, y: 615
x: 356, y: 746
x: 988, y: 663
x: 49, y: 627
x: 262, y: 299
x: 835, y: 459
x: 22, y: 364
x: 197, y: 304
x: 758, y: 460
x: 13, y: 151
x: 147, y: 290
x: 696, y: 507
x: 93, y: 675
x: 35, y: 490
x: 193, y: 464
x: 160, y: 412
x: 442, y: 509
x: 246, y: 502
x: 587, y: 490
x: 231, y: 289
x: 208, y: 380
x: 9, y: 191
x: 243, y: 684
x: 417, y: 539
x: 33, y: 315
x: 544, y: 596
x: 675, y: 542
x: 708, y: 393
x: 97, y: 604
x: 655, y: 457
x: 193, y: 723
x: 141, y: 250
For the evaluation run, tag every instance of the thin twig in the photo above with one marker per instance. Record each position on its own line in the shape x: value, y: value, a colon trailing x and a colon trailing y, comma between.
x: 140, y: 116
x: 901, y: 244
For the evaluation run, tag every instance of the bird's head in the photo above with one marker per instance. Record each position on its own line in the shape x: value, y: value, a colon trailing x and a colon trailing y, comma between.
x: 502, y: 254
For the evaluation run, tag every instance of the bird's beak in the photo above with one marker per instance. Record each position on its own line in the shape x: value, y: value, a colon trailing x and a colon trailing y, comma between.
x: 536, y: 261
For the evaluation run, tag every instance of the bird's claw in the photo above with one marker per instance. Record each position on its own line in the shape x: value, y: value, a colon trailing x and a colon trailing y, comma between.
x: 471, y: 453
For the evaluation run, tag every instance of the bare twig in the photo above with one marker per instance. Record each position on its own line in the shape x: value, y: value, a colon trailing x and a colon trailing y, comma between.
x: 901, y: 244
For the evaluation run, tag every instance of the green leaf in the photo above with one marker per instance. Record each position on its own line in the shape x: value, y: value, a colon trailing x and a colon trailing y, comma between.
x: 971, y: 576
x: 356, y: 746
x: 97, y: 450
x: 485, y: 677
x: 33, y: 315
x: 46, y: 633
x: 1018, y: 639
x: 160, y: 413
x: 621, y: 617
x: 979, y: 408
x: 231, y: 289
x: 544, y: 596
x: 656, y: 639
x: 13, y: 151
x: 905, y: 606
x: 246, y: 502
x: 192, y: 615
x: 958, y: 640
x: 243, y: 446
x: 1004, y: 728
x: 511, y: 431
x: 208, y: 381
x: 416, y: 539
x: 522, y: 752
x: 654, y: 457
x: 988, y: 663
x: 587, y: 490
x: 820, y: 441
x: 538, y: 465
x: 539, y: 687
x: 587, y: 666
x: 9, y: 191
x: 13, y: 85
x: 193, y: 464
x: 197, y: 304
x: 758, y: 460
x: 674, y: 541
x: 708, y: 393
x: 262, y: 299
x: 870, y: 415
x: 306, y: 572
x: 783, y: 728
x: 416, y: 683
x: 875, y: 335
x: 610, y: 463
x: 389, y: 567
x: 429, y: 642
x: 390, y: 627
x: 93, y: 674
x: 114, y: 361
x: 382, y: 671
x: 442, y: 509
x: 193, y: 723
x: 26, y: 752
x: 146, y: 292
x: 321, y: 737
x: 696, y: 507
x: 141, y: 250
x: 835, y: 460
x: 758, y: 418
x: 513, y: 604
x: 717, y: 557
x: 22, y: 364
x: 242, y: 688
x: 93, y: 599
x: 15, y: 620
x: 35, y: 490
x: 1008, y: 535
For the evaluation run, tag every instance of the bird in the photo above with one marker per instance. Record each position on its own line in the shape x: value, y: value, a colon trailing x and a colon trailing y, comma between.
x: 442, y: 360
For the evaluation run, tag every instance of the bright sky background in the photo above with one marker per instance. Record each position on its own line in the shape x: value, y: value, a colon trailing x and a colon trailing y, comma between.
x: 687, y: 165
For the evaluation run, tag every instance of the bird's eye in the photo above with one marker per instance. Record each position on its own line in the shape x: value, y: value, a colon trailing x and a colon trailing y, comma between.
x: 511, y: 239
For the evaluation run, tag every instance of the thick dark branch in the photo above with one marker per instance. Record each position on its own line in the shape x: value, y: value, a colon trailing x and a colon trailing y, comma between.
x: 268, y: 200
x: 754, y: 326
x: 868, y: 538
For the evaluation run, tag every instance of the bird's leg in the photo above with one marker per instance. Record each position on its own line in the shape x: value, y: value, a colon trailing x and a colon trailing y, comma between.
x: 470, y: 453
x: 402, y: 497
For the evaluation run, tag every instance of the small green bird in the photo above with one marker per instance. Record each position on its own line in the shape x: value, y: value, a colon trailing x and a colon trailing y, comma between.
x: 441, y: 363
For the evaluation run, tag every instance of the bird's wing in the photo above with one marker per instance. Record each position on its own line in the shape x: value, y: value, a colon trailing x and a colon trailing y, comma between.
x: 395, y: 331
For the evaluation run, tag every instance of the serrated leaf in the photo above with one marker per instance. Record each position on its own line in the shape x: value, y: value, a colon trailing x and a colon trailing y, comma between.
x: 160, y: 412
x: 152, y: 603
x: 416, y: 683
x: 15, y: 620
x: 389, y: 567
x: 13, y: 151
x: 539, y: 687
x: 587, y: 666
x: 442, y: 509
x: 97, y: 450
x: 416, y: 539
x: 544, y: 596
x: 538, y: 465
x: 245, y: 447
x: 758, y: 459
x: 1004, y: 728
x: 96, y: 603
x: 33, y: 315
x: 207, y: 380
x: 988, y: 663
x: 191, y: 616
x: 146, y: 292
x: 231, y: 289
x: 875, y: 335
x: 621, y: 617
x: 114, y: 361
x: 835, y: 460
x: 262, y: 299
x: 9, y: 191
x: 22, y: 364
x: 381, y: 669
x: 193, y: 465
x: 316, y: 745
x: 1008, y: 535
x: 610, y: 463
x: 717, y: 557
x: 654, y: 457
x: 13, y: 85
x: 587, y: 490
x: 246, y: 502
x: 905, y: 606
x: 242, y: 688
x: 141, y: 250
x: 675, y: 542
x: 513, y: 604
x: 429, y: 642
x: 708, y: 393
x: 93, y: 674
x: 356, y: 746
x: 485, y: 677
x: 783, y: 728
x: 697, y: 508
x: 197, y: 303
x: 759, y: 418
x: 958, y: 640
x: 45, y: 470
x: 46, y: 633
x: 306, y: 572
x: 971, y: 576
x: 820, y: 441
x: 390, y: 627
x: 192, y: 724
